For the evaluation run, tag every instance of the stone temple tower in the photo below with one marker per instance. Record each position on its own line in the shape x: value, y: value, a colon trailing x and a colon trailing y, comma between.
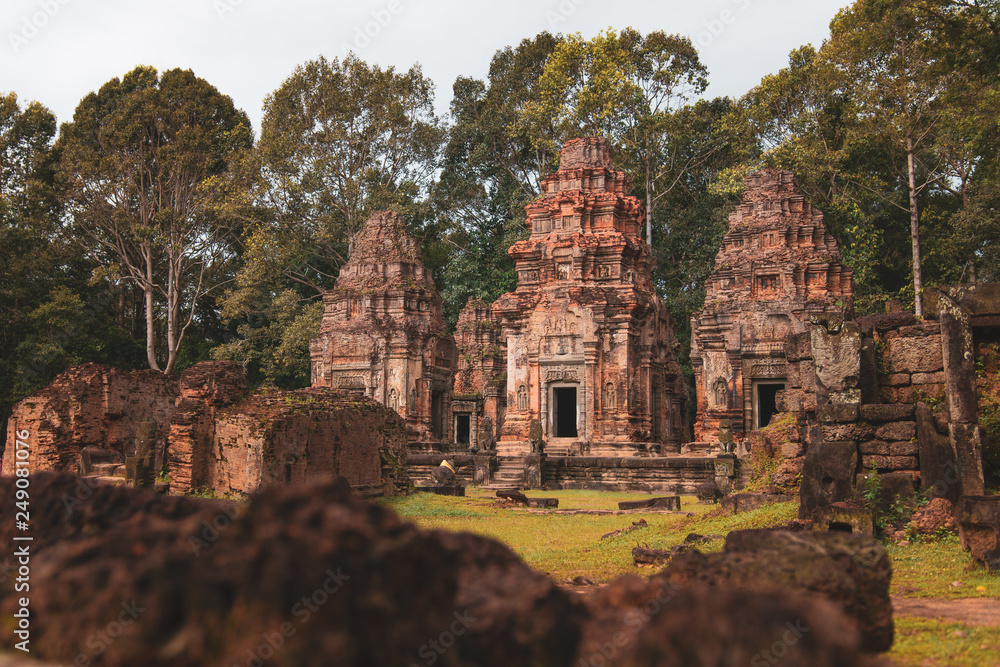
x: 383, y: 332
x: 590, y: 349
x: 778, y: 266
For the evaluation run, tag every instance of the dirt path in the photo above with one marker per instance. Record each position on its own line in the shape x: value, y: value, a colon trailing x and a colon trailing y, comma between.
x: 973, y: 611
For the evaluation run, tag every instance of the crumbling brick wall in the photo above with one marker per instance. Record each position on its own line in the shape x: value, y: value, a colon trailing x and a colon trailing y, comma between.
x: 208, y: 433
x: 90, y: 405
x: 286, y: 437
x: 205, y: 388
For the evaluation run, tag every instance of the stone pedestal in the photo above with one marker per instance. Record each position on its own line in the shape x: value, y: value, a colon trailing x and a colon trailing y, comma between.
x: 483, y: 467
x: 139, y: 470
x: 979, y: 529
x: 533, y: 470
x: 725, y: 472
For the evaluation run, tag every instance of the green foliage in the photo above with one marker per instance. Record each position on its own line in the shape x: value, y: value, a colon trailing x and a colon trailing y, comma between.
x: 147, y: 174
x: 340, y: 139
x: 988, y: 374
x: 272, y: 337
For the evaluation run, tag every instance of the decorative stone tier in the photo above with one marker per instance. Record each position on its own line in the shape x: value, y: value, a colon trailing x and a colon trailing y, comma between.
x: 383, y: 332
x: 666, y: 475
x: 778, y: 268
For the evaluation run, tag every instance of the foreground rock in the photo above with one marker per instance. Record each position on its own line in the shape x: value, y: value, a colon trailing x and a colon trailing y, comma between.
x: 310, y: 575
x: 300, y: 576
x: 852, y: 571
x: 979, y: 529
x: 651, y: 623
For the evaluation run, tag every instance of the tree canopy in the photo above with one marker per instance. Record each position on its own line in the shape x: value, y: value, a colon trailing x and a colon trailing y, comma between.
x: 153, y: 230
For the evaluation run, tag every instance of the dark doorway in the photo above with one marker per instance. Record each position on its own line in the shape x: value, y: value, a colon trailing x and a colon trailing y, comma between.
x: 462, y: 429
x: 564, y: 411
x: 765, y: 404
x: 437, y: 416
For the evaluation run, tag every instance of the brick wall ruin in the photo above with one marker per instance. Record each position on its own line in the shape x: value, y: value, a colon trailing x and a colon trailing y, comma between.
x: 292, y: 437
x: 89, y: 406
x: 885, y: 393
x: 210, y: 433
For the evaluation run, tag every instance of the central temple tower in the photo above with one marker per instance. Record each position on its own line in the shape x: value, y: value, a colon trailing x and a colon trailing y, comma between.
x: 590, y: 348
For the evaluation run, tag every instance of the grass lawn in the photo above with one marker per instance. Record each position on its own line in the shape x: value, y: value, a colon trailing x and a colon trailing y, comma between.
x: 569, y: 545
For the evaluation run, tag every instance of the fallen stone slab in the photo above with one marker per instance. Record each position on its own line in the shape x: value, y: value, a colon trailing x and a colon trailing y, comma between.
x: 663, y: 502
x: 744, y: 502
x: 443, y: 490
x: 852, y: 571
x: 647, y: 556
x: 636, y: 525
x: 979, y: 529
x: 518, y: 497
x: 843, y: 518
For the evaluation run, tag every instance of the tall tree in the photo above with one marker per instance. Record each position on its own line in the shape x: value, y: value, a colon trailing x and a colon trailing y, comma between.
x: 339, y: 139
x: 492, y: 167
x: 144, y: 166
x: 887, y: 57
x: 626, y: 87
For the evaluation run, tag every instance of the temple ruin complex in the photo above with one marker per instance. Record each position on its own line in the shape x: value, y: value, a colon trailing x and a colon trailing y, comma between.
x: 572, y: 380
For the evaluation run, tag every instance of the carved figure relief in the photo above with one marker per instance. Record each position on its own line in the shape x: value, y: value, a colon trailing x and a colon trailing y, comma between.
x: 721, y: 390
x: 522, y: 398
x: 393, y: 400
x: 609, y: 397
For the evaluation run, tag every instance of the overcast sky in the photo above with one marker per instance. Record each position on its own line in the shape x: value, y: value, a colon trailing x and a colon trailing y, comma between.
x: 56, y: 51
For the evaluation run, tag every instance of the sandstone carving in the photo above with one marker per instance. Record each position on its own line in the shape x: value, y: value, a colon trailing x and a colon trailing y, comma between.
x: 589, y: 343
x: 778, y: 266
x: 383, y: 331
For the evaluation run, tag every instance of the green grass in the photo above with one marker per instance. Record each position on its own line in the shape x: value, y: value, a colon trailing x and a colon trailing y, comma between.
x: 922, y: 642
x: 565, y: 546
x: 929, y: 568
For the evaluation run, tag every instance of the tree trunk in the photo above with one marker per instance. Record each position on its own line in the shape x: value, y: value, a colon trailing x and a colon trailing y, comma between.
x: 147, y: 289
x: 173, y: 298
x: 649, y: 203
x: 918, y: 282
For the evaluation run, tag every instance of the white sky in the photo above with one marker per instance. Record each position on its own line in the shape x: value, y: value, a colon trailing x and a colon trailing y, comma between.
x: 56, y: 51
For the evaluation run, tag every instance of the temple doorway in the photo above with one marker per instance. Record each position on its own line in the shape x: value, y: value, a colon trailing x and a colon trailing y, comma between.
x: 764, y: 402
x: 564, y: 412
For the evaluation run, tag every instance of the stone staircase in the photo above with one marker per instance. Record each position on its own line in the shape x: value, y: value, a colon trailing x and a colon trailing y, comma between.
x: 100, y: 465
x: 509, y: 474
